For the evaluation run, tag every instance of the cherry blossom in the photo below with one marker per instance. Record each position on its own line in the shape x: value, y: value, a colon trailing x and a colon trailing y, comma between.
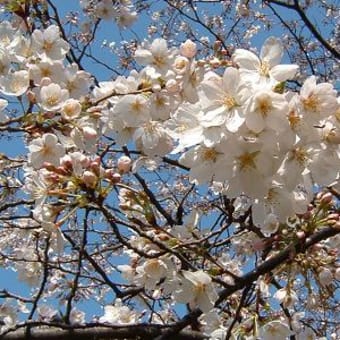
x: 49, y: 44
x: 118, y: 314
x: 52, y: 97
x: 267, y: 67
x: 15, y: 83
x: 45, y: 149
x: 192, y: 182
x: 197, y: 290
x: 275, y: 329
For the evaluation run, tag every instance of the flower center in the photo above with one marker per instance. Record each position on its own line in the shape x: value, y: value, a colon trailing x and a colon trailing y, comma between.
x: 200, y: 288
x: 300, y: 155
x: 264, y: 68
x: 158, y: 61
x: 293, y: 120
x: 264, y: 106
x: 52, y: 100
x: 229, y: 102
x: 311, y: 103
x: 209, y: 154
x: 247, y: 160
x: 137, y: 106
x: 47, y: 46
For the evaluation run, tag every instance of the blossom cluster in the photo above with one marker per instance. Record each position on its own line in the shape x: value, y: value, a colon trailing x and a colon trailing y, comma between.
x: 233, y: 123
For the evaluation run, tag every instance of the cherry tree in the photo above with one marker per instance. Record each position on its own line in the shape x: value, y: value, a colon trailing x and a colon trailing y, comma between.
x: 169, y: 169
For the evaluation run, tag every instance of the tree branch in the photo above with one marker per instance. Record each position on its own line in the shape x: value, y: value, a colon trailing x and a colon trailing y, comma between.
x: 142, y: 332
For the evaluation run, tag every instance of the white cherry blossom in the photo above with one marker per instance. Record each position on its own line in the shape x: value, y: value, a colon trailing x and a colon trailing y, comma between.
x: 133, y: 110
x: 318, y: 101
x: 156, y: 54
x: 275, y: 330
x: 15, y: 83
x: 49, y: 44
x: 52, y: 97
x: 45, y: 149
x: 118, y: 314
x: 225, y: 98
x: 266, y: 109
x: 197, y: 290
x: 266, y: 67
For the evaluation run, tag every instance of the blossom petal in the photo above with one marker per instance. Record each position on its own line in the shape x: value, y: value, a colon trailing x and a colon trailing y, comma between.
x: 271, y: 51
x: 284, y: 72
x: 246, y: 59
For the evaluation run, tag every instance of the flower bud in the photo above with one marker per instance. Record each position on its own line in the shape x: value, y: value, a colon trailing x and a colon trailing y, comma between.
x: 45, y: 81
x: 156, y: 88
x: 333, y: 216
x: 307, y: 215
x: 337, y: 274
x: 108, y: 173
x: 61, y: 171
x: 90, y: 179
x: 172, y: 86
x: 188, y: 49
x: 95, y: 167
x: 317, y: 247
x: 124, y: 164
x: 89, y: 132
x: 66, y: 162
x: 300, y: 235
x: 325, y: 276
x: 115, y: 178
x: 84, y: 161
x: 326, y: 198
x: 217, y: 45
x: 181, y: 65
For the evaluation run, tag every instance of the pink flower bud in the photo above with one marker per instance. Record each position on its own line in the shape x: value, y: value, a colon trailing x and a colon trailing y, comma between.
x: 317, y: 247
x: 89, y: 133
x: 326, y: 198
x: 325, y: 276
x: 124, y: 164
x: 156, y: 88
x: 95, y: 167
x: 300, y: 235
x: 217, y: 44
x: 172, y: 86
x: 307, y: 215
x: 188, y: 49
x: 45, y: 81
x: 61, y: 170
x: 90, y: 179
x: 108, y: 173
x: 84, y: 161
x: 116, y: 178
x: 53, y: 178
x: 337, y: 274
x: 66, y: 162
